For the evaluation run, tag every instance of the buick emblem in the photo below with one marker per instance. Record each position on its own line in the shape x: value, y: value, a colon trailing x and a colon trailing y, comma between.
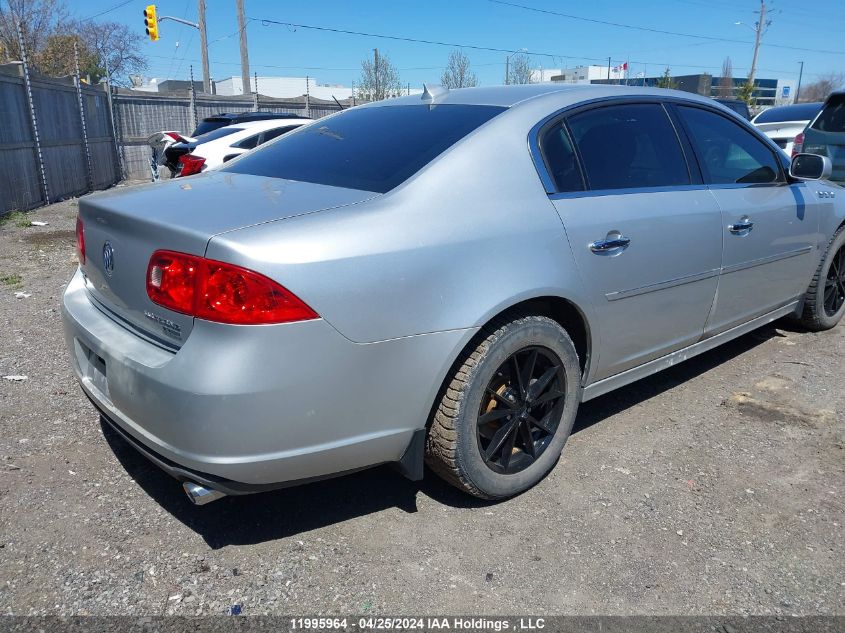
x: 108, y: 258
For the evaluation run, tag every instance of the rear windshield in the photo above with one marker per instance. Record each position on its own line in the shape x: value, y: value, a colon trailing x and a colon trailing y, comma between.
x: 372, y: 149
x: 801, y: 112
x: 218, y: 133
x: 211, y: 123
x: 832, y: 118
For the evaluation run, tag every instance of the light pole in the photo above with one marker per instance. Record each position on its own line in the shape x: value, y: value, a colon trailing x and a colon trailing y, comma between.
x: 508, y: 62
x: 759, y: 28
x: 800, y: 75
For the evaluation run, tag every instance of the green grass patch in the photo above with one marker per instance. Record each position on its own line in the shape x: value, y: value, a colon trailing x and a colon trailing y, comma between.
x: 18, y: 218
x: 12, y: 281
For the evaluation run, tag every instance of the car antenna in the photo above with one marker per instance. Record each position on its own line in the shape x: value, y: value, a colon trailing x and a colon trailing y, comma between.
x: 434, y: 91
x: 338, y: 103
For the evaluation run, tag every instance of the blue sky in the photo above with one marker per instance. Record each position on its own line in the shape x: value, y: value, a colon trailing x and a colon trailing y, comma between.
x: 335, y: 58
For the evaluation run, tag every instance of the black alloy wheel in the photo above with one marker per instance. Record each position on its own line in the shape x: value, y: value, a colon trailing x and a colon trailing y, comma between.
x: 834, y: 287
x: 521, y: 409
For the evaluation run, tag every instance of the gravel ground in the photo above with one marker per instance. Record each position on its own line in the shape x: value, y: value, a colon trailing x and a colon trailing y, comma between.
x: 712, y: 488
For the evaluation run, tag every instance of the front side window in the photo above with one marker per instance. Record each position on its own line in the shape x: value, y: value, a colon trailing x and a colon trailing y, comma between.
x: 629, y: 146
x: 727, y: 152
x: 370, y: 148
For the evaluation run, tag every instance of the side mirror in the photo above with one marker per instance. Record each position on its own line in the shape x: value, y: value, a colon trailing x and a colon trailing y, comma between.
x: 810, y: 167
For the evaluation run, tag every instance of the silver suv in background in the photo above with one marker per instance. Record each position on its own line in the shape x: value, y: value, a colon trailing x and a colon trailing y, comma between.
x: 825, y: 136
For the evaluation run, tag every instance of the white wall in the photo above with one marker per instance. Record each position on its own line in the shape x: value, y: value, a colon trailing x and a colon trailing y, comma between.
x: 284, y: 87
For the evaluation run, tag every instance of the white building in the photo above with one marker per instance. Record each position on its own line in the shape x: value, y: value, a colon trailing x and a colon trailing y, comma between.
x: 585, y: 74
x: 285, y: 87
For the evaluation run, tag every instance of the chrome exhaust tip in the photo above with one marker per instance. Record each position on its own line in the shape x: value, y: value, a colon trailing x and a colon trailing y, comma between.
x: 200, y: 495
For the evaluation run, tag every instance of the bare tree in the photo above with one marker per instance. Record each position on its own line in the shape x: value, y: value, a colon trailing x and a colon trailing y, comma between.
x: 39, y: 20
x: 379, y: 79
x: 519, y: 69
x: 49, y: 36
x: 821, y: 88
x: 458, y: 73
x: 726, y: 81
x: 116, y: 49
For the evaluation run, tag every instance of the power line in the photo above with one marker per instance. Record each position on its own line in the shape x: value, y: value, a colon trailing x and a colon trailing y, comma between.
x: 649, y: 29
x: 114, y: 8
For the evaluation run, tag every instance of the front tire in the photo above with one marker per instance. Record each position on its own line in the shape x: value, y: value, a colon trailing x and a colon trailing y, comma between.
x: 824, y: 304
x: 507, y: 410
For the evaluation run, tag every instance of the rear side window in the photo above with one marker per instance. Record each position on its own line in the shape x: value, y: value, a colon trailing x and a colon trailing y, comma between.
x: 250, y: 142
x: 832, y: 118
x: 269, y: 135
x: 372, y: 148
x: 629, y: 146
x: 727, y: 152
x: 560, y: 159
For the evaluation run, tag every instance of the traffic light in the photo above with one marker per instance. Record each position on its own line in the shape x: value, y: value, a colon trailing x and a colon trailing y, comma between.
x: 151, y: 22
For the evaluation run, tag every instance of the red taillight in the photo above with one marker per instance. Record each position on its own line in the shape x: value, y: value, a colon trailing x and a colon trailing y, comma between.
x: 221, y: 292
x: 798, y: 144
x: 190, y: 164
x: 80, y: 240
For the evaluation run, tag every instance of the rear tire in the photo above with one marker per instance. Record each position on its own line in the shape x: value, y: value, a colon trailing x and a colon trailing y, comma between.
x: 824, y: 303
x: 507, y: 410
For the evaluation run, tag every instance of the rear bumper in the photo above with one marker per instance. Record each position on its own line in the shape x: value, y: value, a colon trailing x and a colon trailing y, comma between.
x: 244, y: 408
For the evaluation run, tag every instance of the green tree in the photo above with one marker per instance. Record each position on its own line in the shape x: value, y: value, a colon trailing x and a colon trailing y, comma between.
x: 746, y: 93
x: 666, y: 80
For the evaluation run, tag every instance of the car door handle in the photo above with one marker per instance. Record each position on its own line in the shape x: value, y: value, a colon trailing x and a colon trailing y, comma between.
x: 613, y: 244
x: 743, y: 227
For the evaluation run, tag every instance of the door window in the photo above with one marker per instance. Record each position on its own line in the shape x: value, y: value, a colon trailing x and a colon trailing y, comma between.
x: 727, y: 152
x: 269, y: 135
x: 629, y: 146
x: 250, y: 142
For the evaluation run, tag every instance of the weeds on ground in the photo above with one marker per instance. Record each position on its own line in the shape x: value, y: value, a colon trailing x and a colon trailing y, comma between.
x: 18, y: 218
x: 12, y: 281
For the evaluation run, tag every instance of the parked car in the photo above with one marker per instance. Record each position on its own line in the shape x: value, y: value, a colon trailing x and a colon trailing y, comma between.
x: 221, y: 145
x: 783, y: 123
x: 160, y: 142
x: 738, y: 106
x: 440, y: 278
x: 223, y: 119
x: 826, y: 135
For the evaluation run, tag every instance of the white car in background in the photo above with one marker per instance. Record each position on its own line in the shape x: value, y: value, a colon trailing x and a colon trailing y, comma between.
x: 783, y: 123
x: 219, y: 146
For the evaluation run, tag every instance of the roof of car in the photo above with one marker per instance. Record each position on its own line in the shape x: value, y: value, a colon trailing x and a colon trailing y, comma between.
x: 271, y: 123
x: 260, y: 115
x: 509, y: 96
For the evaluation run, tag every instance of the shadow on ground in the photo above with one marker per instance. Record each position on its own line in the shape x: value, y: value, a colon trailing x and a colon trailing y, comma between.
x: 273, y: 515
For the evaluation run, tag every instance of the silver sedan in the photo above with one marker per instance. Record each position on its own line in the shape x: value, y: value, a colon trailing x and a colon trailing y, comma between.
x: 439, y: 280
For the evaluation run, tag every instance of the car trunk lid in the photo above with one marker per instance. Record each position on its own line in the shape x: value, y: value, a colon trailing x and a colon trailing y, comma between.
x: 123, y: 227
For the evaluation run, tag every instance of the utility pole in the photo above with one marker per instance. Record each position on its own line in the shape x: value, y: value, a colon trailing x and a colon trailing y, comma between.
x: 760, y: 27
x: 507, y: 70
x: 206, y: 79
x: 608, y: 68
x: 375, y: 75
x: 800, y: 75
x: 244, y: 51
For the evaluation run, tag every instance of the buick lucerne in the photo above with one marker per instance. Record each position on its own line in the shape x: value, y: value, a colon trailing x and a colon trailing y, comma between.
x: 439, y: 279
